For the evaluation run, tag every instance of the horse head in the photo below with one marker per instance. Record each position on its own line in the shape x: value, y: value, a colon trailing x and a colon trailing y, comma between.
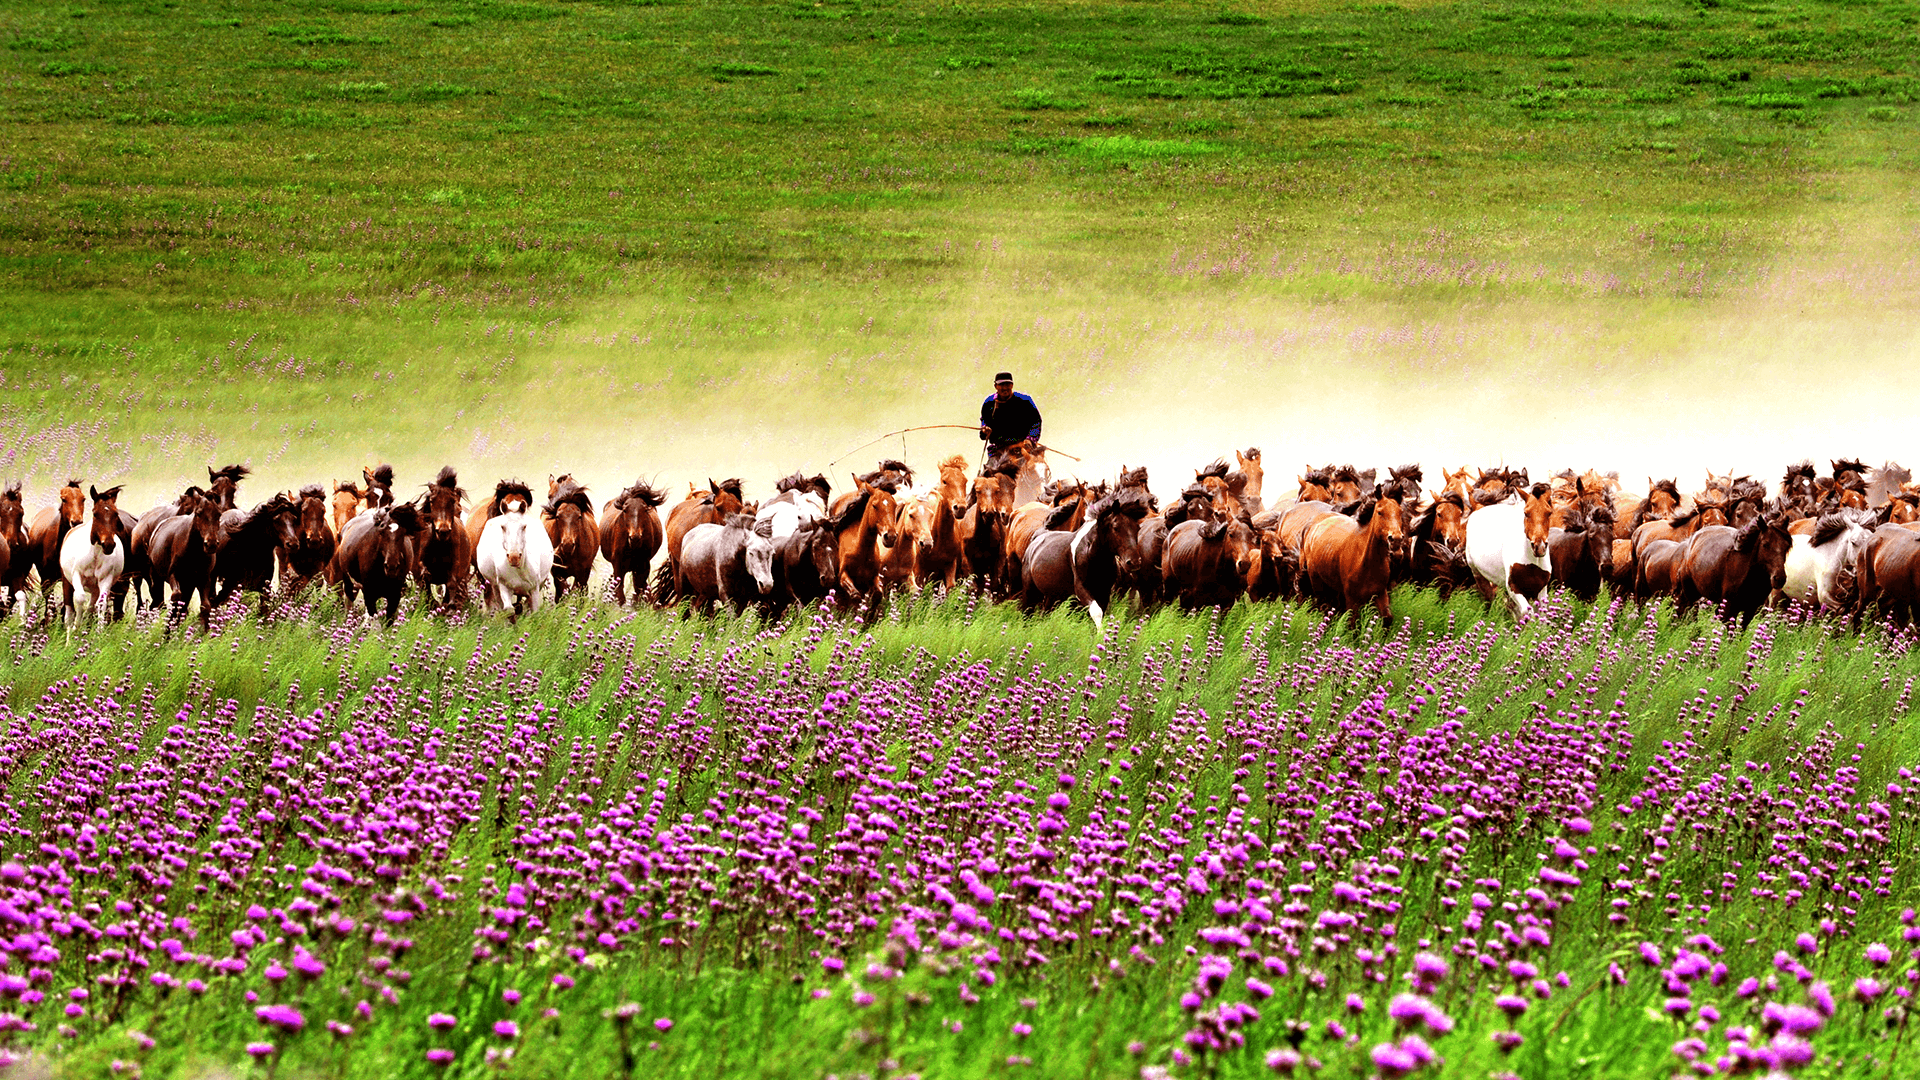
x: 759, y: 556
x: 73, y: 503
x: 106, y: 518
x: 223, y: 484
x: 395, y: 529
x: 1538, y: 522
x: 13, y: 514
x: 313, y: 515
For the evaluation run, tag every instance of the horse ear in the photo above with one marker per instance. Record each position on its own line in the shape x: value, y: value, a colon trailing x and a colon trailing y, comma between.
x: 92, y: 494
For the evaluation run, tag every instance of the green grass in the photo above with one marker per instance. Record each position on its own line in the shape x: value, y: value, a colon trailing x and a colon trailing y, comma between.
x: 756, y: 1017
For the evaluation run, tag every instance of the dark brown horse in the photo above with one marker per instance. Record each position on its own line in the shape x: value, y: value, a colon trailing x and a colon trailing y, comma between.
x: 49, y: 529
x: 1656, y: 568
x: 1346, y: 562
x: 1437, y: 542
x: 141, y: 542
x: 806, y: 566
x: 378, y: 491
x: 181, y: 552
x: 308, y: 556
x: 445, y: 551
x: 1582, y: 550
x: 568, y: 517
x: 630, y: 534
x: 1739, y: 568
x: 251, y: 544
x: 18, y: 560
x: 1207, y: 563
x: 223, y: 484
x: 1088, y: 562
x: 375, y: 557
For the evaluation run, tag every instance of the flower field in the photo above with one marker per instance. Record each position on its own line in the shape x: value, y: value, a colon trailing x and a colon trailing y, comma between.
x: 960, y: 842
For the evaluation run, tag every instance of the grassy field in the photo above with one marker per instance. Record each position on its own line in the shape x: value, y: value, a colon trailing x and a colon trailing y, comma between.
x: 792, y: 810
x: 741, y: 238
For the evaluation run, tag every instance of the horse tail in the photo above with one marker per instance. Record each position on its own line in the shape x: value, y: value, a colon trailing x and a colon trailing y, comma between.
x: 663, y: 579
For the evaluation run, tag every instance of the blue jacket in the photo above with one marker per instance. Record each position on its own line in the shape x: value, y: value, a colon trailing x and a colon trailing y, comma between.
x: 1011, y: 421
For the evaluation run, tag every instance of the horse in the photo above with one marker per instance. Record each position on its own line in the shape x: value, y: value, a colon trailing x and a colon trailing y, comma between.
x: 1403, y: 485
x: 1507, y: 548
x: 223, y: 484
x: 797, y: 499
x: 375, y: 556
x: 1740, y: 568
x: 863, y: 525
x: 724, y: 564
x: 1798, y: 490
x: 575, y: 534
x: 1819, y: 559
x: 1213, y: 480
x: 312, y: 549
x: 379, y: 489
x: 1065, y: 513
x: 1888, y: 574
x: 1207, y: 563
x: 1245, y: 483
x: 1436, y: 537
x: 1088, y: 562
x: 806, y: 566
x: 1346, y: 562
x: 710, y: 507
x: 1661, y: 502
x: 91, y: 559
x: 444, y: 558
x: 1029, y: 467
x: 1145, y: 581
x: 17, y: 561
x: 1656, y: 569
x: 141, y: 541
x: 1350, y: 485
x: 983, y: 529
x: 514, y: 556
x: 1456, y: 480
x: 346, y: 500
x: 1316, y: 485
x: 1581, y: 550
x: 630, y: 534
x: 251, y: 541
x: 181, y: 551
x: 47, y: 533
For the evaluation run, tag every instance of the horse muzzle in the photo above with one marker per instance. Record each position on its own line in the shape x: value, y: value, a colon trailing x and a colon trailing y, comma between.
x: 1539, y: 548
x: 106, y: 548
x: 513, y: 560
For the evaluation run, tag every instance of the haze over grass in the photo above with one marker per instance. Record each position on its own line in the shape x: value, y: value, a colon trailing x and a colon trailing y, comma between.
x: 746, y: 237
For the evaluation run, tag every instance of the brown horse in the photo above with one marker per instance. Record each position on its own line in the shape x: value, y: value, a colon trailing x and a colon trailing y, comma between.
x: 630, y: 534
x: 983, y: 527
x: 1661, y: 502
x: 49, y: 529
x: 863, y: 525
x: 1346, y: 562
x: 1350, y: 485
x: 1208, y: 563
x: 1029, y: 467
x: 140, y: 544
x: 375, y: 557
x: 223, y: 484
x: 953, y: 483
x: 1656, y: 568
x: 575, y: 533
x: 1888, y: 574
x: 181, y: 553
x: 443, y: 557
x: 1581, y: 550
x: 312, y: 550
x: 1064, y: 514
x: 1088, y: 562
x: 1437, y: 538
x: 346, y: 503
x: 1456, y: 480
x: 18, y: 560
x: 1245, y: 483
x: 1316, y: 485
x: 1739, y: 568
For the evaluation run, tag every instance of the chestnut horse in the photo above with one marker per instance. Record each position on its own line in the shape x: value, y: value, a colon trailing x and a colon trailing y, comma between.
x: 630, y: 534
x: 575, y: 533
x: 1207, y: 563
x: 1740, y: 568
x: 346, y: 503
x: 1316, y: 485
x: 48, y: 531
x: 1888, y: 574
x: 444, y: 556
x: 984, y: 527
x: 863, y: 525
x: 1346, y: 562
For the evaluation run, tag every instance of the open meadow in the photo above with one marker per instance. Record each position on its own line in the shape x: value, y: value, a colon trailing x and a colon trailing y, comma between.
x: 678, y: 241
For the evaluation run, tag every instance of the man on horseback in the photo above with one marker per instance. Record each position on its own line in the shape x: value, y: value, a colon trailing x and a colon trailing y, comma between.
x: 1007, y: 418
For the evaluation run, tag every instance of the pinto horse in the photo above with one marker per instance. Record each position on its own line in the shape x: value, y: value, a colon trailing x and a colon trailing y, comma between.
x: 1507, y: 548
x: 1820, y: 557
x: 1346, y: 562
x: 630, y: 534
x: 17, y: 562
x: 797, y: 499
x: 48, y: 532
x: 1088, y: 562
x: 445, y: 553
x: 312, y: 550
x: 574, y: 532
x: 181, y: 552
x: 92, y: 558
x: 1740, y: 568
x: 379, y: 487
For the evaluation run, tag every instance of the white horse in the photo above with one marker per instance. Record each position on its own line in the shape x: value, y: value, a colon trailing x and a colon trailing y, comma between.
x: 784, y: 514
x: 1815, y: 563
x: 92, y: 560
x: 1507, y: 548
x: 515, y: 557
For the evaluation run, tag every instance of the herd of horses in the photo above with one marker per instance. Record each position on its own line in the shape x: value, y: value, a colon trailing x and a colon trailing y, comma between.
x: 1848, y: 540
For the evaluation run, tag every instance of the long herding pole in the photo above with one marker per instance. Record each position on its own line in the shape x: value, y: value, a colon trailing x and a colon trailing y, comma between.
x: 928, y: 427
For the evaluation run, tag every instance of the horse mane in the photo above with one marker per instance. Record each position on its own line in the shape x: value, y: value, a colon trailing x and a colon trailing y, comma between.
x: 853, y: 512
x: 1685, y: 516
x: 383, y: 475
x: 75, y: 482
x: 1345, y: 472
x: 111, y: 493
x: 1367, y: 504
x: 1829, y: 528
x: 732, y: 486
x: 1489, y: 497
x: 1600, y: 514
x: 1409, y: 473
x: 743, y: 521
x: 1320, y: 477
x: 571, y: 492
x: 642, y: 491
x: 1852, y: 465
x: 1671, y: 487
x: 1061, y: 514
x: 405, y: 516
x: 507, y: 488
x: 957, y: 461
x: 881, y: 483
x: 349, y: 487
x: 1217, y: 470
x: 12, y: 492
x: 901, y: 467
x: 1799, y: 470
x: 313, y: 491
x: 235, y: 473
x: 793, y: 482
